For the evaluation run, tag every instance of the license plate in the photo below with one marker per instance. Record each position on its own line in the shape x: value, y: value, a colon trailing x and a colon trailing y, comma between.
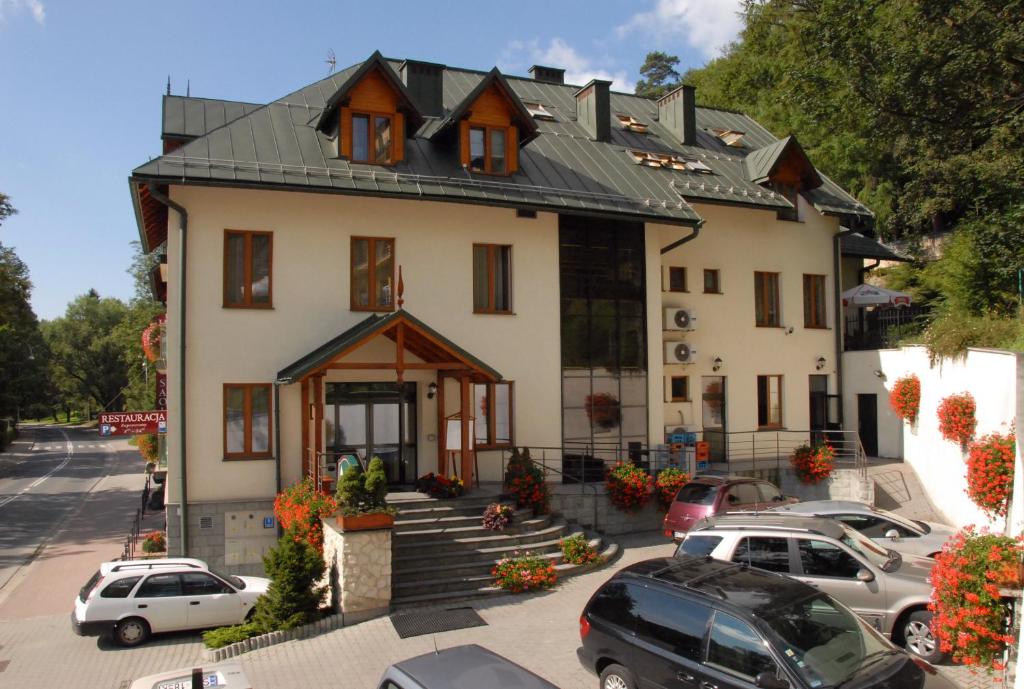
x: 680, y: 534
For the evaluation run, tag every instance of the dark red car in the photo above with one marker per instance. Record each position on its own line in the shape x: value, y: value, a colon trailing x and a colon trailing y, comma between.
x: 708, y: 495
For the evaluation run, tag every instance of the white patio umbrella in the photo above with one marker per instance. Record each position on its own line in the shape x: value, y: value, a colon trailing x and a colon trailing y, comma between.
x: 869, y: 295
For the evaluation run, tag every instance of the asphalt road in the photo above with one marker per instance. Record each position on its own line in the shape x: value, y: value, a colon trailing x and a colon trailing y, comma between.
x: 43, y: 487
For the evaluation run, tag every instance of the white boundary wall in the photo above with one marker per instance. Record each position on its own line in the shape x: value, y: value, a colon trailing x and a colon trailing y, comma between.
x: 993, y: 377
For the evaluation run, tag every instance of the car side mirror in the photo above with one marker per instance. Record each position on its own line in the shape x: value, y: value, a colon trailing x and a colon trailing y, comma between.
x: 865, y: 575
x: 732, y: 499
x: 769, y: 680
x: 779, y: 498
x: 892, y: 534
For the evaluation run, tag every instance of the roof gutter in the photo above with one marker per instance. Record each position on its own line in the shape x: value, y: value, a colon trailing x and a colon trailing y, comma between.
x: 837, y: 277
x: 183, y: 236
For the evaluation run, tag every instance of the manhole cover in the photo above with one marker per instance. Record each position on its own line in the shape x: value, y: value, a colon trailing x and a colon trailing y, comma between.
x: 433, y: 621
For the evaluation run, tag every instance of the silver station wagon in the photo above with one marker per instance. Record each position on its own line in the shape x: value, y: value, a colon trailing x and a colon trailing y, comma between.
x: 889, y: 590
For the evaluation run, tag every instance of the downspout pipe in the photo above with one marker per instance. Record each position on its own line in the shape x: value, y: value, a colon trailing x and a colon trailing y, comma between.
x: 837, y: 277
x: 182, y: 292
x: 277, y: 434
x: 680, y: 242
x: 862, y: 272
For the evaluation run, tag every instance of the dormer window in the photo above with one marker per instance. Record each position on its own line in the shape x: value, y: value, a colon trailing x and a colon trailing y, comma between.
x: 487, y: 150
x: 538, y: 111
x: 371, y: 138
x: 632, y: 124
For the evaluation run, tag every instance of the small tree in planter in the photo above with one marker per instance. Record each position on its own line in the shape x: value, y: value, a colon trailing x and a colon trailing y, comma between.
x: 668, y: 483
x: 628, y: 486
x: 364, y: 494
x: 293, y: 598
x: 905, y: 398
x: 990, y: 473
x: 956, y: 418
x: 813, y: 465
x: 969, y: 610
x: 525, y: 480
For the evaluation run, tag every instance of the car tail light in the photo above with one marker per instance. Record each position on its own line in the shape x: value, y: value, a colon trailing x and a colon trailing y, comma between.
x: 584, y: 626
x: 670, y: 533
x: 924, y: 665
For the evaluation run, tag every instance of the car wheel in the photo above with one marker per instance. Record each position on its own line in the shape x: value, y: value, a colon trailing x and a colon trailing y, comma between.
x: 132, y: 631
x: 918, y: 638
x: 617, y: 677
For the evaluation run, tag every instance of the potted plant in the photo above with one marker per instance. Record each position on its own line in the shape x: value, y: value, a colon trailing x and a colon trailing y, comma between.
x: 362, y: 503
x: 956, y: 418
x: 905, y: 398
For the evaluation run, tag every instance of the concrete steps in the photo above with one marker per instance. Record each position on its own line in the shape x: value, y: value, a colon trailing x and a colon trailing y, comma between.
x: 442, y: 554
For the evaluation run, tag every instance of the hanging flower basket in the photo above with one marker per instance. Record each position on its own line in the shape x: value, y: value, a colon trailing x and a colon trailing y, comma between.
x: 905, y: 398
x: 990, y: 473
x: 969, y: 610
x: 956, y: 418
x: 603, y: 410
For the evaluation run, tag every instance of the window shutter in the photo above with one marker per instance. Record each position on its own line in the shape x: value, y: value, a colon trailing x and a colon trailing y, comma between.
x: 512, y: 150
x: 345, y: 134
x: 398, y: 138
x: 464, y: 143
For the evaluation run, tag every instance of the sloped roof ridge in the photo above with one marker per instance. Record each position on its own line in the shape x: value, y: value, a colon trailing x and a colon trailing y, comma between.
x: 212, y: 100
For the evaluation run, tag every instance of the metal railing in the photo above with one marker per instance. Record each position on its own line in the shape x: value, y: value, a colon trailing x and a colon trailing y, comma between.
x: 881, y: 328
x: 134, y: 535
x: 764, y: 450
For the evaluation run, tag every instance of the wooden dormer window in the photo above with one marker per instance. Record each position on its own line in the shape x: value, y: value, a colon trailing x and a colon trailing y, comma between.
x: 371, y: 129
x: 487, y: 150
x: 489, y: 141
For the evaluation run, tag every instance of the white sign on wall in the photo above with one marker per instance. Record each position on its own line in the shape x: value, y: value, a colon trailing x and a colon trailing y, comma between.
x: 453, y: 437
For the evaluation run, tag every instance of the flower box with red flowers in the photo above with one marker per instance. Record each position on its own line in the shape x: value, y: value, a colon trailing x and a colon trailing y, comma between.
x: 956, y: 418
x: 905, y: 397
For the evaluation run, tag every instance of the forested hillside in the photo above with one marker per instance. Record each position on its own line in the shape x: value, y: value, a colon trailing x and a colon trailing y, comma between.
x: 917, y: 108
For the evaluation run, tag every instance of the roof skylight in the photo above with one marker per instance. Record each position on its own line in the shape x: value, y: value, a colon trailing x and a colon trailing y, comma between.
x: 731, y: 137
x: 672, y: 162
x: 632, y: 124
x: 538, y: 111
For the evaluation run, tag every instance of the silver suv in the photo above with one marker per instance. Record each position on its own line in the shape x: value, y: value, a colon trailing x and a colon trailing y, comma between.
x: 890, y: 591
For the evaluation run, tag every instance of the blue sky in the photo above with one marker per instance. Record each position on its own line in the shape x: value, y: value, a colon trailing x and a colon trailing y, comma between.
x: 82, y: 81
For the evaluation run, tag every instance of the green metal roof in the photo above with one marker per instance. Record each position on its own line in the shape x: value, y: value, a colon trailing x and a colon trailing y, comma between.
x: 562, y: 169
x: 856, y: 245
x: 186, y: 117
x: 360, y: 331
x: 525, y: 122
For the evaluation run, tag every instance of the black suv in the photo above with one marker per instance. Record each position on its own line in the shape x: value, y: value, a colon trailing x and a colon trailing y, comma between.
x: 698, y: 623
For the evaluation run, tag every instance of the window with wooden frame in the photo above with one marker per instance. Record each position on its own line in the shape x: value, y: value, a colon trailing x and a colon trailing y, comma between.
x: 712, y: 281
x: 372, y: 274
x: 814, y: 301
x: 247, y: 269
x: 492, y: 278
x: 247, y: 420
x: 487, y: 149
x: 493, y: 426
x: 680, y: 389
x: 372, y: 138
x: 677, y: 279
x: 766, y: 300
x: 769, y: 401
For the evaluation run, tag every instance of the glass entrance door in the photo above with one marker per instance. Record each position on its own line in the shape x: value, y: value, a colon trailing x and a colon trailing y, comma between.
x: 374, y: 420
x: 713, y: 415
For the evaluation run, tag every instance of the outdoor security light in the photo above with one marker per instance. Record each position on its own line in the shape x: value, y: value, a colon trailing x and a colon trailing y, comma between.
x: 716, y: 363
x: 821, y: 362
x: 431, y: 391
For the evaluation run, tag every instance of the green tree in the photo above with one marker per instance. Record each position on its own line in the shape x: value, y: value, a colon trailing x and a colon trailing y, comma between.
x: 140, y: 389
x: 659, y: 75
x: 293, y: 598
x: 87, y: 357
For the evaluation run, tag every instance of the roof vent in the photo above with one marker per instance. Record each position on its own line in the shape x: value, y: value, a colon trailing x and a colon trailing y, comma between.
x: 677, y: 111
x: 424, y: 80
x: 552, y: 75
x: 594, y: 110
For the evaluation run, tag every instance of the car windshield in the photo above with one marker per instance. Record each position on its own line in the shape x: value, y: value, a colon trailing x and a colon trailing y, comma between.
x: 824, y: 642
x: 697, y: 494
x: 235, y: 581
x: 902, y: 521
x: 867, y: 548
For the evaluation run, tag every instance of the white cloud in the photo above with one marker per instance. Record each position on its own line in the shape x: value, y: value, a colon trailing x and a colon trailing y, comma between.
x: 11, y: 7
x: 707, y: 25
x: 579, y: 69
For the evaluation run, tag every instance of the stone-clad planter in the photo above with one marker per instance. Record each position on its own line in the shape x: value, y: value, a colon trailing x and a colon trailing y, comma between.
x: 358, y: 559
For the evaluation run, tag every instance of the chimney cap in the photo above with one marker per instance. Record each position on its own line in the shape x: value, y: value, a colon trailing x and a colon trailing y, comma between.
x: 593, y: 82
x: 677, y: 89
x: 421, y: 63
x: 551, y: 74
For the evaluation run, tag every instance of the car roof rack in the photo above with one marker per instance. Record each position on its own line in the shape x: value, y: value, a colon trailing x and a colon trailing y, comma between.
x: 151, y: 565
x: 764, y: 521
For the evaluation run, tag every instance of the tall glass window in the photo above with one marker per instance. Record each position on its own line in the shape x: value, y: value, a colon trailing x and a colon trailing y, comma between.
x: 604, y: 341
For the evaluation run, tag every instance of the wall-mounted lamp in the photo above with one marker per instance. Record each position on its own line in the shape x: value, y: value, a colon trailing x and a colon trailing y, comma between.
x: 820, y: 363
x: 716, y: 363
x: 878, y: 374
x: 431, y: 391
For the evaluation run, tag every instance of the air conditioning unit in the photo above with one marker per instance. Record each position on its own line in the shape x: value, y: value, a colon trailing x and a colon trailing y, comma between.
x: 680, y: 353
x: 680, y: 319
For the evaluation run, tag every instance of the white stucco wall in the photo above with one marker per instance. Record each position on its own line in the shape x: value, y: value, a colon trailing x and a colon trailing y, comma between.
x: 738, y: 242
x: 311, y: 244
x: 991, y: 376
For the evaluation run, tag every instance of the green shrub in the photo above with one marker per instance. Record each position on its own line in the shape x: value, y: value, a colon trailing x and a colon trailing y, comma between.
x: 225, y: 636
x: 364, y: 492
x: 376, y: 485
x: 293, y: 597
x: 952, y: 332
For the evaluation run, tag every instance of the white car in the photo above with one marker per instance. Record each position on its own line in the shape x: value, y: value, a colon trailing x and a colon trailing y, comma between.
x: 881, y: 526
x: 132, y: 599
x: 223, y: 676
